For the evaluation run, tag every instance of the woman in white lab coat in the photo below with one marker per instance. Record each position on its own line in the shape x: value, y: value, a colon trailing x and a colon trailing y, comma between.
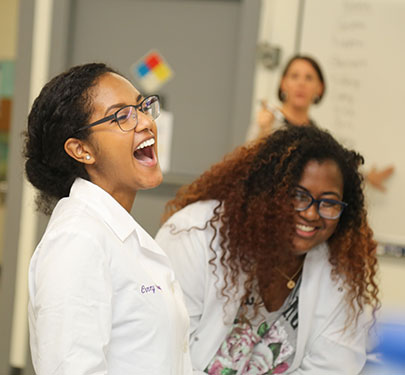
x: 103, y: 298
x: 276, y: 260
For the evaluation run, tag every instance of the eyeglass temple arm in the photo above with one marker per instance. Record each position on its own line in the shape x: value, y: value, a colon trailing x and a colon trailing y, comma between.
x: 98, y: 122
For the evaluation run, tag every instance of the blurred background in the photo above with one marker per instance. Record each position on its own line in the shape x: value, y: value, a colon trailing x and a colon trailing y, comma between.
x: 221, y: 57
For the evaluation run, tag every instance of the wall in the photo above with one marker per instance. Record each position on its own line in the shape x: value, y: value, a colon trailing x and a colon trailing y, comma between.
x: 8, y: 29
x: 8, y: 47
x: 20, y: 226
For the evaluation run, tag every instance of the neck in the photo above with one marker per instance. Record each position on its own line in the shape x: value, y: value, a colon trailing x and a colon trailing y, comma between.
x: 125, y: 198
x: 295, y: 115
x: 293, y: 265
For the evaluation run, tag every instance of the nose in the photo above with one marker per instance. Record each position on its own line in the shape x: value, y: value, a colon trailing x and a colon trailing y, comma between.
x: 144, y: 122
x: 311, y: 213
x: 301, y: 81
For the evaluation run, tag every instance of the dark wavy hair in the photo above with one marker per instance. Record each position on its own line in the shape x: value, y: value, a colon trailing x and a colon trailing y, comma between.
x: 314, y: 64
x: 63, y: 106
x: 254, y: 186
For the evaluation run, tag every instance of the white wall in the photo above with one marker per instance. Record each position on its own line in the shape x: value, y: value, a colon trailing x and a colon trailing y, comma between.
x: 278, y: 28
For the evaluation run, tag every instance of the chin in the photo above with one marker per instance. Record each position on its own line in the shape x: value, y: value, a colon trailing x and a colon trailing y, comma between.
x: 302, y: 248
x: 301, y: 251
x: 157, y: 179
x: 302, y: 104
x: 151, y: 180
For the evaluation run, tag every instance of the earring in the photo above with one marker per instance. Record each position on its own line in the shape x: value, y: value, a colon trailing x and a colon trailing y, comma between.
x: 283, y: 96
x: 316, y: 99
x: 88, y: 157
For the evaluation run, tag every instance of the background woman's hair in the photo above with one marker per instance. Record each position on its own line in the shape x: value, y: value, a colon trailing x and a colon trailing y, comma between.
x: 254, y: 186
x: 63, y: 106
x: 314, y: 64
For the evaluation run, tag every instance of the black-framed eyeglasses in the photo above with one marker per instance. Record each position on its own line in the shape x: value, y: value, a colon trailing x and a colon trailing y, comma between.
x: 127, y: 117
x: 327, y: 208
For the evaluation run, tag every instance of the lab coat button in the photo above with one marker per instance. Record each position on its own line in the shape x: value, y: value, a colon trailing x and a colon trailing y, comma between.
x: 196, y: 338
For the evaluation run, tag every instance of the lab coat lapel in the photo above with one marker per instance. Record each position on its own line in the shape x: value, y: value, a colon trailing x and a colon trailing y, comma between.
x: 147, y: 242
x: 316, y: 297
x: 156, y: 263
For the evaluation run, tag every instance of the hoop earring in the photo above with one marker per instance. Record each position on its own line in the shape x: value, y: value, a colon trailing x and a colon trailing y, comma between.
x: 283, y: 96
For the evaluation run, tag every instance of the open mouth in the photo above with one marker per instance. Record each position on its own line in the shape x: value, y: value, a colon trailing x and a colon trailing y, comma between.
x: 145, y: 153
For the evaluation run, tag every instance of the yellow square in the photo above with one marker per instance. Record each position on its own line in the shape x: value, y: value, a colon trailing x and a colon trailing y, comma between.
x: 162, y: 72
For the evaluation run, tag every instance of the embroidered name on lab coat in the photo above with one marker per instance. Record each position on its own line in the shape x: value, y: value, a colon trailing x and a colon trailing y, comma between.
x: 150, y: 289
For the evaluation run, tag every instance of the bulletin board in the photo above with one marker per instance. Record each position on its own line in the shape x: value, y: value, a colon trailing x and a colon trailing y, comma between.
x: 360, y: 47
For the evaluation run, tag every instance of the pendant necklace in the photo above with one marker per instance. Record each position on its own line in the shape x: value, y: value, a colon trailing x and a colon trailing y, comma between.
x: 291, y: 283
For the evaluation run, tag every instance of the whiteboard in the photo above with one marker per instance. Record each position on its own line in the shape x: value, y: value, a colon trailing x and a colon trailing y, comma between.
x: 361, y: 48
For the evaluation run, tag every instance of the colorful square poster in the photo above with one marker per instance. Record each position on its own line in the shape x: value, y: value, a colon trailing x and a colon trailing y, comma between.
x: 151, y: 72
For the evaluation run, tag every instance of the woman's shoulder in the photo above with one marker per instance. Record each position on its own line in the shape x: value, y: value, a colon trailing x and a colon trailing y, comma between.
x: 73, y: 233
x: 318, y: 269
x: 74, y: 218
x: 319, y: 253
x: 317, y: 260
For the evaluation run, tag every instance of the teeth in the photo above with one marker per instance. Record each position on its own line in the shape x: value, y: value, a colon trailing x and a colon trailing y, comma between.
x: 147, y: 143
x: 305, y: 228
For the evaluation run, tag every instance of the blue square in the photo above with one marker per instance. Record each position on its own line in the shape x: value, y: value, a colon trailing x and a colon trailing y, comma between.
x: 142, y: 69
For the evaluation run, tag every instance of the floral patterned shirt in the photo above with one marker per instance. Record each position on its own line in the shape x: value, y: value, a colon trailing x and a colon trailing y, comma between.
x: 260, y: 345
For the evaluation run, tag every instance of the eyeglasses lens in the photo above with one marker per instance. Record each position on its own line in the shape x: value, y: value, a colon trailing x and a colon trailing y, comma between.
x: 328, y: 209
x: 151, y: 107
x: 301, y: 201
x: 127, y: 118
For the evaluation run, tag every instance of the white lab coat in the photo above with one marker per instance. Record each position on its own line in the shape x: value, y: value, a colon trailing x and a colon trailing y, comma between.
x: 322, y: 347
x: 103, y: 298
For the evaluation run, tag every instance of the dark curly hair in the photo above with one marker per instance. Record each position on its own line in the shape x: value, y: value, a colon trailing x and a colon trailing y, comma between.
x: 254, y: 186
x: 63, y: 106
x: 316, y: 67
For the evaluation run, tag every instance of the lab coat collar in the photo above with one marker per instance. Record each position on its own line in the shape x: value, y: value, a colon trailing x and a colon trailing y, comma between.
x: 110, y: 211
x: 147, y: 242
x: 113, y: 214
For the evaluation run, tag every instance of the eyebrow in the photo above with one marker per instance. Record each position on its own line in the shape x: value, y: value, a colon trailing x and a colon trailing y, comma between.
x: 120, y: 105
x: 117, y: 106
x: 324, y: 193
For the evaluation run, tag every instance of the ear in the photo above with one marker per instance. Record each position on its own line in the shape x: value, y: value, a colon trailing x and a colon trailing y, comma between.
x: 79, y: 150
x: 282, y: 84
x: 322, y: 89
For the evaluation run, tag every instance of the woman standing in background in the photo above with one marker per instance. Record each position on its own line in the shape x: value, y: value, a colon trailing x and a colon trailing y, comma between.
x: 302, y: 85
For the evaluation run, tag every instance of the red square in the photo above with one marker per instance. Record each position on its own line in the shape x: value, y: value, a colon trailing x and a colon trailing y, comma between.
x: 152, y: 60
